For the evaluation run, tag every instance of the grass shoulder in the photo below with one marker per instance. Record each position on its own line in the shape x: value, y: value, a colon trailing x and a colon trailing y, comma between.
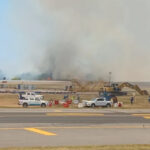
x: 114, y: 147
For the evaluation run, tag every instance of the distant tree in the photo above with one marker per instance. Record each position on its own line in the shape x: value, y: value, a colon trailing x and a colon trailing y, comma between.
x: 45, y: 76
x: 28, y: 76
x: 4, y: 78
x: 2, y: 75
x: 16, y: 78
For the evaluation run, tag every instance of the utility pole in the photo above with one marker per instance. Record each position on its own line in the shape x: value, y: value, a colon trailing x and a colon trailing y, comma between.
x: 110, y: 73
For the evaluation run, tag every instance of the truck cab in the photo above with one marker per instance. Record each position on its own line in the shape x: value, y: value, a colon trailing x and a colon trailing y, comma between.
x: 30, y: 95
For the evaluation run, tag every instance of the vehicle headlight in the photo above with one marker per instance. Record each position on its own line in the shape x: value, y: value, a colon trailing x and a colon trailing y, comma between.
x: 88, y: 104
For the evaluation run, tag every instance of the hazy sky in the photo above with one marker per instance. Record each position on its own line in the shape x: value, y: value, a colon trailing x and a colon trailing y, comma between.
x: 79, y: 38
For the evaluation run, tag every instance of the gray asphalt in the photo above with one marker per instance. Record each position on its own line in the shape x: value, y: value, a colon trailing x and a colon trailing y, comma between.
x: 98, y: 110
x: 73, y: 137
x: 104, y: 127
x: 94, y: 119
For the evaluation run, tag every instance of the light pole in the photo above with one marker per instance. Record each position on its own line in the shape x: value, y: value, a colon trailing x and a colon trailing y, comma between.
x: 110, y: 73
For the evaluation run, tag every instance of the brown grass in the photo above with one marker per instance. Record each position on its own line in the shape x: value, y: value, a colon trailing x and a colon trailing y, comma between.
x: 118, y: 147
x: 8, y: 100
x: 140, y: 102
x: 11, y: 100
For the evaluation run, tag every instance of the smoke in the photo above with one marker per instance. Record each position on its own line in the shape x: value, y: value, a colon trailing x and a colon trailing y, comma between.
x: 2, y: 75
x: 85, y: 39
x: 81, y: 32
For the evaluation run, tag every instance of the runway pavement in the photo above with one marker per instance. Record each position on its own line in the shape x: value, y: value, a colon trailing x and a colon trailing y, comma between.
x: 62, y: 127
x: 73, y: 118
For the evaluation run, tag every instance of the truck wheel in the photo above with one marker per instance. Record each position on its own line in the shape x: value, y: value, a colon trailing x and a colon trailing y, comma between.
x: 108, y: 105
x: 43, y: 105
x: 25, y: 105
x: 93, y: 105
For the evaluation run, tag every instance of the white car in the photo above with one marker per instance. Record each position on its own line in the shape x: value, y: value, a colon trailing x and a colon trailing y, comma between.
x: 33, y: 101
x: 98, y: 102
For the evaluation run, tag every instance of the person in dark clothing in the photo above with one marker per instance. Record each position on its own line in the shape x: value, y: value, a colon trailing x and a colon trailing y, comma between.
x: 132, y: 100
x: 78, y: 98
x: 149, y: 99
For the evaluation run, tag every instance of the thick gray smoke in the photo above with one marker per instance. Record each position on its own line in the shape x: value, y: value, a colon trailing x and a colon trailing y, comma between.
x: 86, y: 39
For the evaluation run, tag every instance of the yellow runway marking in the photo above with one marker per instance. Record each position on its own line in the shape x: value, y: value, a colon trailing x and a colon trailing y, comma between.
x: 140, y: 114
x: 74, y: 114
x: 57, y: 110
x: 145, y: 116
x: 97, y: 127
x: 40, y: 131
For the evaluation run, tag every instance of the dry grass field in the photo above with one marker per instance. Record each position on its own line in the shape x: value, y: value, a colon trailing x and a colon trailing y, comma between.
x: 11, y: 100
x: 140, y: 102
x: 117, y: 147
x: 8, y: 100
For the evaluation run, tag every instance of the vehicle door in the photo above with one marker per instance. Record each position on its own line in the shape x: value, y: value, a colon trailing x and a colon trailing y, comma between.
x: 31, y: 101
x: 34, y: 101
x: 100, y: 102
x: 37, y: 101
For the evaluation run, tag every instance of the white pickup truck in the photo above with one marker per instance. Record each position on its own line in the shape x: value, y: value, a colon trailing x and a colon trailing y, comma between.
x: 30, y: 95
x: 33, y: 101
x: 98, y: 102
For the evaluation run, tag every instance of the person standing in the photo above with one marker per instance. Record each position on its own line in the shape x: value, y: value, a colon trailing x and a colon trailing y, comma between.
x: 149, y: 99
x: 132, y: 100
x: 78, y: 98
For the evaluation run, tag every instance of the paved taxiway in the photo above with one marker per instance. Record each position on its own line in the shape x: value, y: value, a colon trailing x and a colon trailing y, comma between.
x: 72, y: 118
x: 61, y: 127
